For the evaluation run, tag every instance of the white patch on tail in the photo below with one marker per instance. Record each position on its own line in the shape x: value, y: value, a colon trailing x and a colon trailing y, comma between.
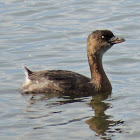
x: 27, y: 80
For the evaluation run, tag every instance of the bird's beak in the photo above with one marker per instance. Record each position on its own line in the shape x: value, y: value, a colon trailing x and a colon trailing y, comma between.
x: 116, y: 40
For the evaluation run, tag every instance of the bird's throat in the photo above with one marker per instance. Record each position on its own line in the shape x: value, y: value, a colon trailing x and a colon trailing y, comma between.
x: 98, y: 76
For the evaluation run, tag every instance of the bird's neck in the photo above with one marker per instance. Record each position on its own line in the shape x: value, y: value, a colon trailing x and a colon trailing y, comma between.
x: 98, y: 76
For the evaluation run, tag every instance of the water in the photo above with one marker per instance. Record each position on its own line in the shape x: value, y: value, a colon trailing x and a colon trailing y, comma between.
x: 52, y: 34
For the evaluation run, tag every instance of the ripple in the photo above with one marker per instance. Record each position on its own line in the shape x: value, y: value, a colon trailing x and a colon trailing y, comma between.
x: 52, y: 35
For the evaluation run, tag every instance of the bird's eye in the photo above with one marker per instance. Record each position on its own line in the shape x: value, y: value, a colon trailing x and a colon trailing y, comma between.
x: 103, y: 36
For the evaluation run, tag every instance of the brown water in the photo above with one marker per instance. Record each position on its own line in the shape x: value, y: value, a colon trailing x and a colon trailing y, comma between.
x: 52, y: 34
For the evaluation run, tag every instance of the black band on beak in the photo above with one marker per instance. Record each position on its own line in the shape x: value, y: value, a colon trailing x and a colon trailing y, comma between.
x: 116, y: 40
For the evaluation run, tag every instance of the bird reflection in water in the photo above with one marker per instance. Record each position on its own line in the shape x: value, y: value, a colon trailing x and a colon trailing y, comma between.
x: 101, y: 123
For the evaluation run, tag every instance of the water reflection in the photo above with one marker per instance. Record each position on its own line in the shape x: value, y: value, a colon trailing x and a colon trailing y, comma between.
x: 52, y: 100
x: 101, y: 123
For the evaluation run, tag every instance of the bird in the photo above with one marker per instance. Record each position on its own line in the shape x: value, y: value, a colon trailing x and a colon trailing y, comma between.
x: 68, y: 83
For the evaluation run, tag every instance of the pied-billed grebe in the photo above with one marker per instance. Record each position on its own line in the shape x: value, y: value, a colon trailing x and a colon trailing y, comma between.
x: 70, y: 83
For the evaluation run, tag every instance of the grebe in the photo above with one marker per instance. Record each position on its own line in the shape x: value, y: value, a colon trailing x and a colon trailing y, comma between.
x: 69, y: 83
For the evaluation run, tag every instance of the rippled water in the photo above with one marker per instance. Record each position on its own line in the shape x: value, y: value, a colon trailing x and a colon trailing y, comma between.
x: 52, y: 34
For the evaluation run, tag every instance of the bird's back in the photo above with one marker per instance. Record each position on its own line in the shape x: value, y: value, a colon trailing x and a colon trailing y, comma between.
x: 57, y: 81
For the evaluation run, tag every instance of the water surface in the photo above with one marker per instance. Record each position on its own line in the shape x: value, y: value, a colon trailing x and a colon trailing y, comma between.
x: 52, y: 34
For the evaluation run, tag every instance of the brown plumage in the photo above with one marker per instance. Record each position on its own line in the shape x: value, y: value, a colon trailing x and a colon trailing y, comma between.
x: 69, y: 83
